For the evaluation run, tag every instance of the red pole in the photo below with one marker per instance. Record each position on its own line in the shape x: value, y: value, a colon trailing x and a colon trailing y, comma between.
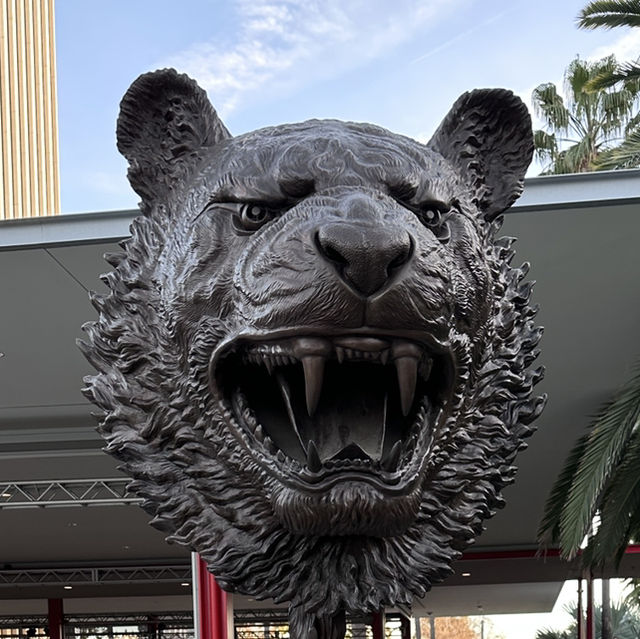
x: 213, y: 612
x: 55, y: 618
x: 405, y: 627
x: 377, y: 625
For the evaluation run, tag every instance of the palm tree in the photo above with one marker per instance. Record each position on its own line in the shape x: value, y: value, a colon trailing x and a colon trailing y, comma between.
x: 589, y: 123
x: 625, y: 623
x: 608, y: 14
x: 633, y: 596
x: 600, y: 482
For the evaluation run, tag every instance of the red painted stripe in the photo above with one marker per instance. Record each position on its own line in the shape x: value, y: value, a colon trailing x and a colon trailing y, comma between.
x: 509, y: 554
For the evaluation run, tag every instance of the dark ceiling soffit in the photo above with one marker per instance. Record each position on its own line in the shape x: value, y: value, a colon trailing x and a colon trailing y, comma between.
x: 551, y: 192
x: 528, y: 553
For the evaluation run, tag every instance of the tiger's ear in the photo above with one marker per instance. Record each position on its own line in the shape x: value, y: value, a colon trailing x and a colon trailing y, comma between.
x: 487, y: 137
x: 165, y: 119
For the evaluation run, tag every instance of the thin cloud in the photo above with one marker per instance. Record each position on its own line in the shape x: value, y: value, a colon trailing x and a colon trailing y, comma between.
x: 625, y: 47
x: 460, y: 36
x: 281, y: 45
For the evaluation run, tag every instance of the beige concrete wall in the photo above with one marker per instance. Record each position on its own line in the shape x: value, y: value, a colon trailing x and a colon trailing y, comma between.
x: 28, y: 114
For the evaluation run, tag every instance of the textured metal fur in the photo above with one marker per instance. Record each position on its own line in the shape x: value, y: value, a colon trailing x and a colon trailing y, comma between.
x: 188, y: 284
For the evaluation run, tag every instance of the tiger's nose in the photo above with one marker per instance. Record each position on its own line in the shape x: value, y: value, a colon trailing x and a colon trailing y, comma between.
x: 366, y: 257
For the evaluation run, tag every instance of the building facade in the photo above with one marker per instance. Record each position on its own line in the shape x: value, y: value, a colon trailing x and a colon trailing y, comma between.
x: 28, y: 115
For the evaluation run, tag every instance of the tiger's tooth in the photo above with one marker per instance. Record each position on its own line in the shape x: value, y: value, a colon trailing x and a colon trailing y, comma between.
x: 391, y: 462
x: 384, y: 357
x: 313, y: 458
x: 269, y: 364
x: 313, y: 366
x: 425, y: 367
x: 259, y: 433
x: 286, y: 395
x: 340, y: 354
x: 269, y: 444
x: 407, y: 372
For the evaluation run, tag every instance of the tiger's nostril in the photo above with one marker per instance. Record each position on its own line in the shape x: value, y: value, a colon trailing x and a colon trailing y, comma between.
x: 366, y: 257
x: 401, y: 258
x: 330, y: 252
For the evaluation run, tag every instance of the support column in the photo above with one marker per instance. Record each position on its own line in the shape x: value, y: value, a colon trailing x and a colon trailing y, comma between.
x: 55, y: 618
x: 405, y: 627
x: 418, y: 627
x: 212, y: 606
x: 607, y: 631
x: 591, y: 622
x: 377, y: 625
x: 580, y: 612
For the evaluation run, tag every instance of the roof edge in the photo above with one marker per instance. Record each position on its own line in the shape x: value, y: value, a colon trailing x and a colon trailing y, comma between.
x: 549, y: 192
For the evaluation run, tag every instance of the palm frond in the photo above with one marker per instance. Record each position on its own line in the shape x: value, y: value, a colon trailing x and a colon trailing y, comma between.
x: 626, y: 72
x: 579, y: 157
x: 576, y: 76
x: 632, y: 597
x: 620, y: 501
x: 617, y: 108
x: 625, y: 622
x: 624, y: 156
x: 603, y: 450
x: 549, y: 105
x: 549, y: 633
x: 633, y: 124
x: 608, y: 14
x: 545, y: 145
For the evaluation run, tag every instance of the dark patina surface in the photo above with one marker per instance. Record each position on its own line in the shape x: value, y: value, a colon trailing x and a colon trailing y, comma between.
x: 313, y: 359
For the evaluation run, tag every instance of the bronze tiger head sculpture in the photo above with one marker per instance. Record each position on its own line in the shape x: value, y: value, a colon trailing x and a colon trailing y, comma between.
x: 314, y: 355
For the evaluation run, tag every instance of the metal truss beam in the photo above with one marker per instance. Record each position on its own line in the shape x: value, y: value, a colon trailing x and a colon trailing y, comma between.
x: 65, y: 492
x: 97, y: 575
x: 256, y: 616
x: 23, y: 621
x: 129, y: 617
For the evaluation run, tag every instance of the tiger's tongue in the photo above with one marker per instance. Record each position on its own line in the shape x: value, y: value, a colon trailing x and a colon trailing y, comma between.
x: 348, y: 421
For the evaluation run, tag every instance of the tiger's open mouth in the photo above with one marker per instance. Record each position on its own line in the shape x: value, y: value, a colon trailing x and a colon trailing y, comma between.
x: 329, y: 405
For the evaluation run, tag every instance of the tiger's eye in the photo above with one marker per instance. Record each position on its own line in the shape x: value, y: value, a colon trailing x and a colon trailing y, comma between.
x: 253, y: 216
x: 431, y: 216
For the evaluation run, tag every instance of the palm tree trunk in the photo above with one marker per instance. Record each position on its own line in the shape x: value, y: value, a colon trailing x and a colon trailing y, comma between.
x: 606, y: 611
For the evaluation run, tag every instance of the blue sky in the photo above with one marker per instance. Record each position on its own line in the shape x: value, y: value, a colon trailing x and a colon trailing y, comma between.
x: 397, y: 63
